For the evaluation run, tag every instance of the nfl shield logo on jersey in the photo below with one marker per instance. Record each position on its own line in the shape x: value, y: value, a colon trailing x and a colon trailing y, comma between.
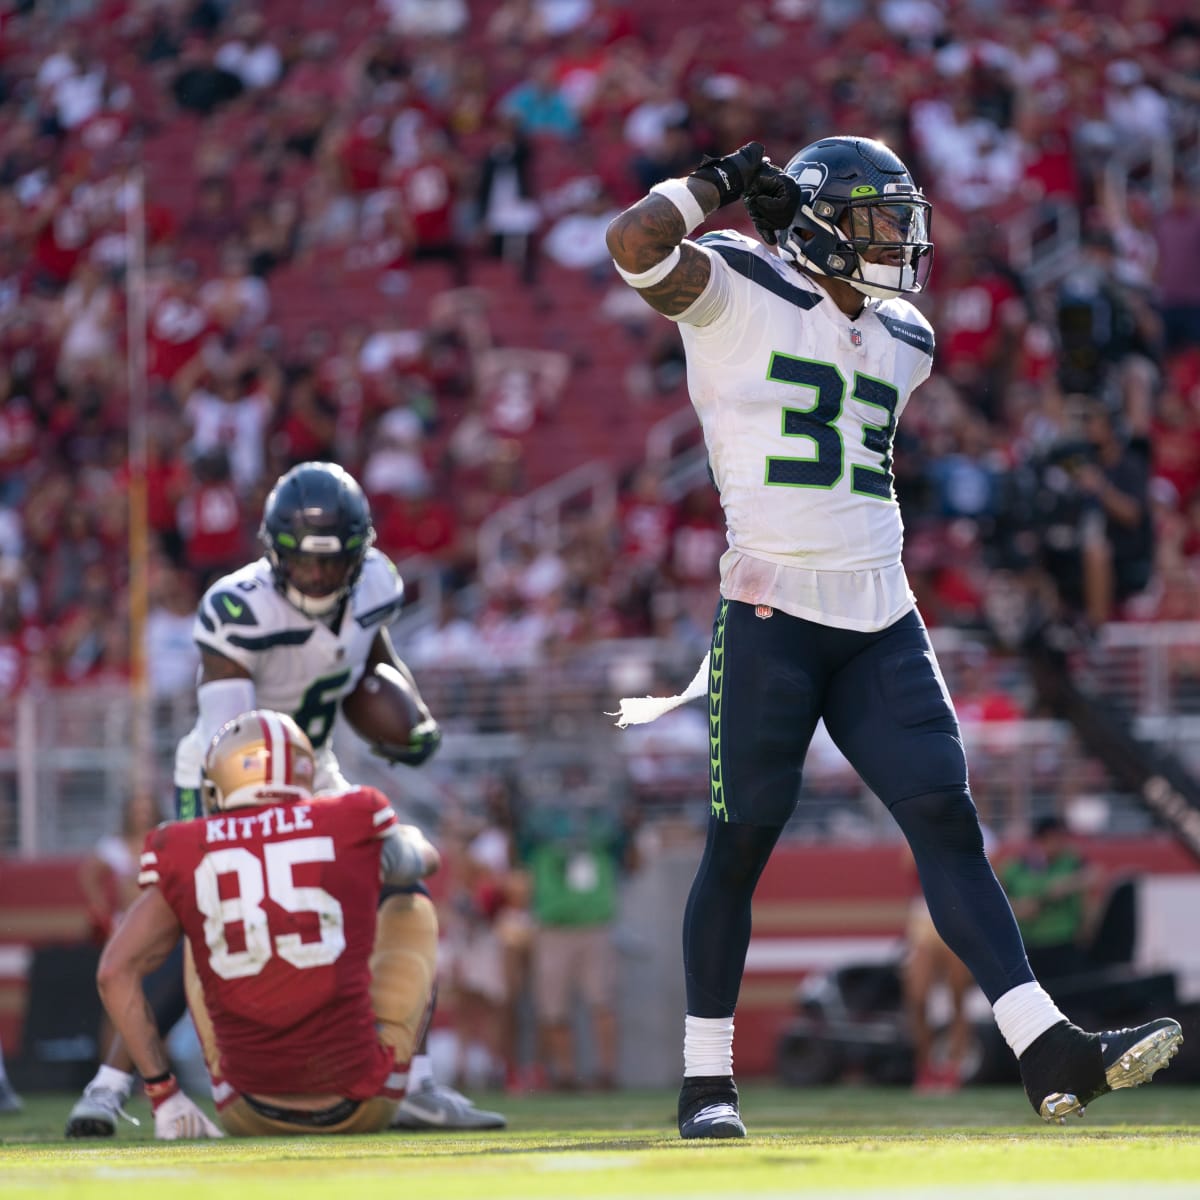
x: 763, y: 612
x: 855, y: 336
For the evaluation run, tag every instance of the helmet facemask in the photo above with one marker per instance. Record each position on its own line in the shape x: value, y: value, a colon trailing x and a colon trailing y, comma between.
x: 318, y: 574
x: 840, y: 241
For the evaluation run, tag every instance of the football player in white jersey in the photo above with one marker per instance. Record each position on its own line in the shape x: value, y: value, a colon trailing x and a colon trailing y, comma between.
x: 293, y: 632
x: 801, y: 356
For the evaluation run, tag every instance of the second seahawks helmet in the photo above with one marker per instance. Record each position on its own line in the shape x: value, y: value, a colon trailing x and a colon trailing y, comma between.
x: 316, y: 530
x: 858, y: 196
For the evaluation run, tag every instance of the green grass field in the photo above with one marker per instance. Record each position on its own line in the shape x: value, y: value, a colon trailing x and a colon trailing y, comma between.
x: 848, y: 1142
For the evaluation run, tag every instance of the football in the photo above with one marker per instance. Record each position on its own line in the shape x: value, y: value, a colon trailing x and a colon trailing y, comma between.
x: 382, y: 709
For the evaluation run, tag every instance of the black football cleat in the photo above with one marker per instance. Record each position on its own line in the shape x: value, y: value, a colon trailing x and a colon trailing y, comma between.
x: 1092, y: 1064
x: 708, y: 1108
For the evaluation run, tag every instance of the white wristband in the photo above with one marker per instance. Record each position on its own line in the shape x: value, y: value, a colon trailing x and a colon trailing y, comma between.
x: 680, y: 195
x: 654, y: 275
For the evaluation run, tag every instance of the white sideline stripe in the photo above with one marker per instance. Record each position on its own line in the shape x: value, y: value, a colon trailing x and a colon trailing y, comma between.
x: 1028, y: 1190
x: 792, y: 954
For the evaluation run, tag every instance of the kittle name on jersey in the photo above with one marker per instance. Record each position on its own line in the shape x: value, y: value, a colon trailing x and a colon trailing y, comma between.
x: 287, y: 819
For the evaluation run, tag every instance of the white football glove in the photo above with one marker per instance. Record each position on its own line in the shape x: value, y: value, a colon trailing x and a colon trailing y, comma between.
x: 408, y: 856
x: 178, y: 1117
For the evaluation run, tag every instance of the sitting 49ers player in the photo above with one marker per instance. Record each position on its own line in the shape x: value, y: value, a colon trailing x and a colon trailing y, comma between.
x: 309, y: 995
x: 294, y: 631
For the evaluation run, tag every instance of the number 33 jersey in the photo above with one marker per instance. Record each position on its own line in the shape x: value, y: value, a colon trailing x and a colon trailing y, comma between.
x: 799, y: 404
x: 278, y: 905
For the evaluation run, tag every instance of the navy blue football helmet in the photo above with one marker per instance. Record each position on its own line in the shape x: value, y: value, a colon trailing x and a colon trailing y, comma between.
x: 857, y: 197
x: 316, y: 530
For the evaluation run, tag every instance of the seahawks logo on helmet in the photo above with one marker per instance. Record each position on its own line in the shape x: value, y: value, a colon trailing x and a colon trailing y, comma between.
x: 811, y: 178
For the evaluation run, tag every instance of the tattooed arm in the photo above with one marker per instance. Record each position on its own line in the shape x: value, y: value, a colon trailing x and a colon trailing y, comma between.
x: 647, y: 232
x: 647, y: 239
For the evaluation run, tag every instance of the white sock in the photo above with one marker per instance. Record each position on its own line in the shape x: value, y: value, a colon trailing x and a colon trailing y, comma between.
x: 120, y: 1082
x: 1024, y: 1014
x: 707, y: 1046
x: 420, y: 1070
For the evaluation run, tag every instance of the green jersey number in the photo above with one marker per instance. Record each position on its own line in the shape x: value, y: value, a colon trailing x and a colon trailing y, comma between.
x: 819, y: 424
x: 318, y: 708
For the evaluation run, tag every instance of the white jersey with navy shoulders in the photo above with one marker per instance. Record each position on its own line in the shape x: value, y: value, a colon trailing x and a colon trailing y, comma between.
x: 799, y: 404
x: 299, y: 665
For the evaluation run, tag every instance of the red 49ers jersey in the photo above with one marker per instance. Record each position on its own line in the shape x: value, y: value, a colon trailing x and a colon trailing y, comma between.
x: 278, y: 903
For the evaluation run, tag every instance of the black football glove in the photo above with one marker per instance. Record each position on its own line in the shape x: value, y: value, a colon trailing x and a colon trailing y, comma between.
x: 423, y: 742
x: 772, y: 200
x: 734, y: 174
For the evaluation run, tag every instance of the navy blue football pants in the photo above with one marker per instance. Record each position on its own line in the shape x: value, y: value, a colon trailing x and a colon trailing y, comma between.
x: 881, y: 695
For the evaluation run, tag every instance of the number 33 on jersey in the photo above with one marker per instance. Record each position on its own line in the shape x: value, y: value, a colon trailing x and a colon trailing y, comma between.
x: 799, y: 405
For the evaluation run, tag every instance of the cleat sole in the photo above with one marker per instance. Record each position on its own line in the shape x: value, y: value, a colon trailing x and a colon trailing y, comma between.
x: 1058, y: 1106
x: 713, y: 1131
x: 88, y: 1127
x: 1142, y: 1061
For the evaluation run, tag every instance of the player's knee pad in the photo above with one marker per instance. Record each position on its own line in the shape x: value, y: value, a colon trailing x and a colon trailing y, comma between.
x: 933, y: 762
x: 940, y: 822
x: 403, y: 969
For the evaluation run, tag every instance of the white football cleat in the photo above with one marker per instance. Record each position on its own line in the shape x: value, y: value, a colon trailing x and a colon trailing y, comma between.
x: 436, y: 1106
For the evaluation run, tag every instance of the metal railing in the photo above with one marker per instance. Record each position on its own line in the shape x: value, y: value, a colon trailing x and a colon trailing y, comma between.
x: 675, y: 444
x: 66, y: 768
x: 538, y: 518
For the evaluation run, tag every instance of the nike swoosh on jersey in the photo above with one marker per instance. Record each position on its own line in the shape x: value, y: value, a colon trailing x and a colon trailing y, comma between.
x: 227, y: 609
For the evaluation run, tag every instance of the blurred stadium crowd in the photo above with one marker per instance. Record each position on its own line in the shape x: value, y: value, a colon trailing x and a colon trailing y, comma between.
x: 376, y: 235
